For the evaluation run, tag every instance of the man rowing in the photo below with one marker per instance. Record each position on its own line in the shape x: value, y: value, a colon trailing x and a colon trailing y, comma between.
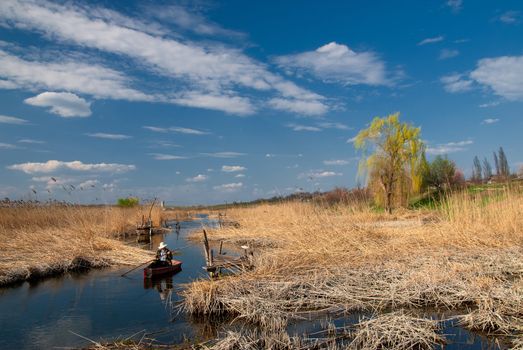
x: 163, y: 255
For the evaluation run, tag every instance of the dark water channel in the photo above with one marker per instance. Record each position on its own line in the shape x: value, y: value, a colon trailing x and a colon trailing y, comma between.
x: 101, y: 305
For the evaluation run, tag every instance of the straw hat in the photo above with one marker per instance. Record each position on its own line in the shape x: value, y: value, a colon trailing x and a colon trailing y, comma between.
x: 162, y: 245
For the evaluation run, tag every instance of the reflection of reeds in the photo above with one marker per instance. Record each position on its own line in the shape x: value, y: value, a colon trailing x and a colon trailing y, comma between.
x: 312, y: 258
x: 39, y: 240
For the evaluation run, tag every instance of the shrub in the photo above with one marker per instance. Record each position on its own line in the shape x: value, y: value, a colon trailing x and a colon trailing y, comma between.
x: 128, y: 202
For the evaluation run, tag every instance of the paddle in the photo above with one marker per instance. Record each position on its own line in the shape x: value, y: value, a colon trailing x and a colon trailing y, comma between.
x: 137, y: 267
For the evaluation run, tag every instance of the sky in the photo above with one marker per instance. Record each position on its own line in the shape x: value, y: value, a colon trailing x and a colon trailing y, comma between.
x: 199, y: 102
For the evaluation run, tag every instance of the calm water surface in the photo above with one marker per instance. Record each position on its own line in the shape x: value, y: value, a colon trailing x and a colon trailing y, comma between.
x: 101, y: 305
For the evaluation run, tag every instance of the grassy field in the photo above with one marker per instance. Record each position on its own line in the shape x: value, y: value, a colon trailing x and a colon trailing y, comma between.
x: 41, y: 240
x: 466, y: 257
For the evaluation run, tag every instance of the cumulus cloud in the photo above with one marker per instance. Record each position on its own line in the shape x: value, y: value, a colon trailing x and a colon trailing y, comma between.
x: 4, y: 119
x: 456, y: 83
x: 336, y: 162
x: 335, y: 62
x: 162, y: 156
x: 433, y: 40
x: 103, y: 135
x: 232, y: 187
x: 450, y: 147
x: 56, y: 165
x: 68, y: 75
x: 504, y: 75
x: 197, y: 178
x: 490, y: 121
x: 64, y: 104
x: 176, y: 129
x: 240, y: 175
x: 232, y: 168
x: 489, y: 104
x: 215, y: 73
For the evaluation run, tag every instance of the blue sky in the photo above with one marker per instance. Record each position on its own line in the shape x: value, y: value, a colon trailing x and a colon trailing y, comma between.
x: 205, y: 102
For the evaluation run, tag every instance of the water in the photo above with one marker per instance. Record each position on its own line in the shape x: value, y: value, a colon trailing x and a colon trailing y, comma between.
x: 101, y: 304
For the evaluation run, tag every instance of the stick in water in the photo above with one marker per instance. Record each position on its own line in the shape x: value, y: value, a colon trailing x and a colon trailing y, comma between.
x: 136, y: 267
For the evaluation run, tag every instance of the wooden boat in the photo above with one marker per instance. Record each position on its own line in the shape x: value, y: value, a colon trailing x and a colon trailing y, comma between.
x: 151, y: 271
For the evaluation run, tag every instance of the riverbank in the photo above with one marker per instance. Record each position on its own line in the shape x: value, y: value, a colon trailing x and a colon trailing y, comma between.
x: 41, y: 240
x: 337, y: 260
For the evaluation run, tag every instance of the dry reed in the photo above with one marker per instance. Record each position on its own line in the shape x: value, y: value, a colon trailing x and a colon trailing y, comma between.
x: 314, y: 258
x: 40, y: 240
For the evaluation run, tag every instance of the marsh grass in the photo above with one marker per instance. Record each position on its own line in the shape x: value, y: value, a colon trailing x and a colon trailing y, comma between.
x: 41, y: 240
x: 312, y: 258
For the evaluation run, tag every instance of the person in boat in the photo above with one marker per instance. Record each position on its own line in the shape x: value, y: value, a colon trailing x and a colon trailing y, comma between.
x: 163, y: 255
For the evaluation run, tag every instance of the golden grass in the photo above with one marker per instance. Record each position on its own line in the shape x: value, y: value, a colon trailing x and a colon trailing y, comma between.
x: 312, y: 258
x: 38, y: 240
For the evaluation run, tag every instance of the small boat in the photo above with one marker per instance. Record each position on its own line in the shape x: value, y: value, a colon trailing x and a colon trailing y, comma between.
x: 152, y: 271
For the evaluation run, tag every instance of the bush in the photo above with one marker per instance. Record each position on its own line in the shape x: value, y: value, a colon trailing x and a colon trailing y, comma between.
x: 128, y: 202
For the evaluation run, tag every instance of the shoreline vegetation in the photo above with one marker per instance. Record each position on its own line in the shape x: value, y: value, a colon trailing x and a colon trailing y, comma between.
x: 465, y: 256
x: 40, y: 240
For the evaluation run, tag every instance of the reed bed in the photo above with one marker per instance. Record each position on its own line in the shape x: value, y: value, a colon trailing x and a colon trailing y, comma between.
x: 312, y: 259
x: 41, y: 240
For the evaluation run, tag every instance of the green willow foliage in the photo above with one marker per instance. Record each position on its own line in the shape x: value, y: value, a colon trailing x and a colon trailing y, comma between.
x: 395, y: 165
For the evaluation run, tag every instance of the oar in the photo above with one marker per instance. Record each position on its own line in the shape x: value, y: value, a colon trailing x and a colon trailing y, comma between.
x: 137, y: 267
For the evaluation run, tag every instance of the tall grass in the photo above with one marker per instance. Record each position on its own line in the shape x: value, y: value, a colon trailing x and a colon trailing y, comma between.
x: 36, y: 240
x: 317, y: 258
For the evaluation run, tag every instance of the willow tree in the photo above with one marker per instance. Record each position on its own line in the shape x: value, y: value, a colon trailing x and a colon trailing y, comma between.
x: 394, y: 157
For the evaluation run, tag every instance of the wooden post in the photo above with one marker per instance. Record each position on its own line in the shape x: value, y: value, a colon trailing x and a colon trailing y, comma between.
x: 206, y: 248
x: 221, y: 245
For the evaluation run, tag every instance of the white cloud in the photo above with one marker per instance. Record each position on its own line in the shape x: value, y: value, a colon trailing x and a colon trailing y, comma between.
x: 102, y: 135
x: 197, y: 178
x: 223, y: 154
x: 456, y: 83
x: 12, y: 120
x: 64, y: 104
x: 55, y: 165
x: 336, y: 162
x: 227, y: 103
x: 232, y: 187
x: 8, y: 146
x: 88, y: 184
x: 176, y: 129
x: 339, y: 126
x: 504, y: 75
x: 433, y: 40
x: 214, y: 72
x: 68, y: 75
x: 490, y: 121
x: 240, y: 175
x: 510, y: 17
x: 31, y: 141
x: 192, y: 21
x: 450, y: 147
x: 455, y: 5
x: 335, y: 62
x: 232, y: 168
x: 299, y: 127
x: 162, y: 156
x: 306, y: 107
x: 313, y: 175
x: 351, y: 140
x: 489, y: 104
x: 448, y: 53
